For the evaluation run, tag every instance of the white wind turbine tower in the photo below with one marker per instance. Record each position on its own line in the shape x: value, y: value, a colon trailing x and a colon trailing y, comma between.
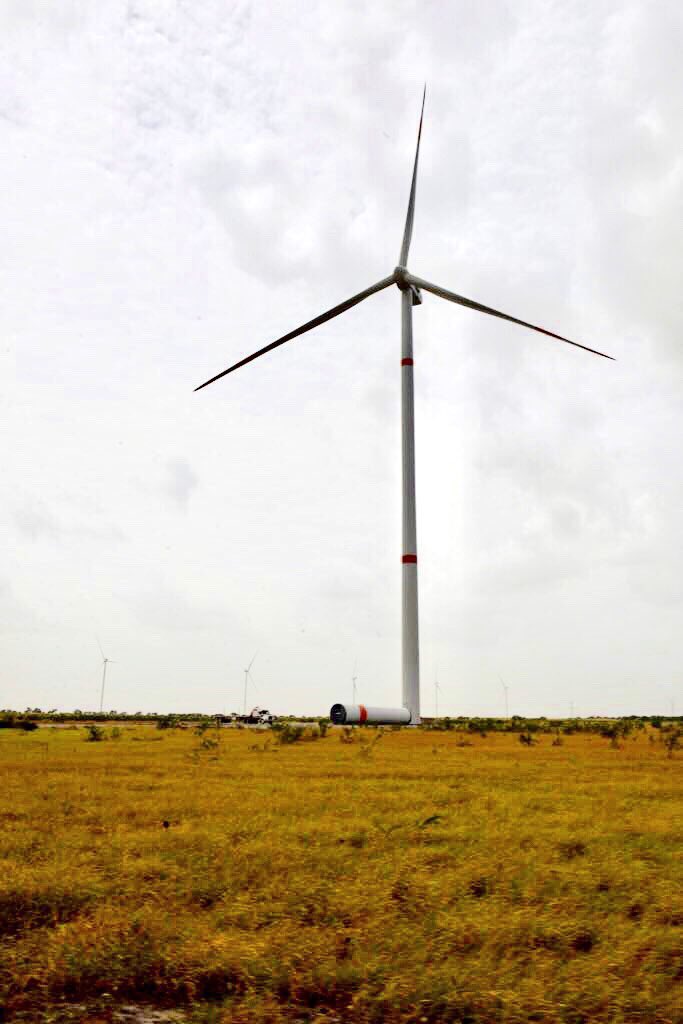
x: 411, y: 288
x: 505, y: 691
x: 247, y: 673
x: 105, y: 662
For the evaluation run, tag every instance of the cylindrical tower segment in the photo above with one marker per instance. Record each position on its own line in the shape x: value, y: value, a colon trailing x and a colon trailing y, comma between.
x: 359, y: 714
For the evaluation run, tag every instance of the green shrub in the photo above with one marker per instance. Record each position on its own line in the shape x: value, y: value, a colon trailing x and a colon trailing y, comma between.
x: 289, y: 733
x: 439, y: 725
x: 166, y: 722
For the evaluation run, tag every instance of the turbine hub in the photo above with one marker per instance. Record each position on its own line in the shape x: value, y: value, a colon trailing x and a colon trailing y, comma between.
x: 400, y: 278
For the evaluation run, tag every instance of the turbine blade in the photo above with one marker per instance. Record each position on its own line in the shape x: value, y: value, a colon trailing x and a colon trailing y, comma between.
x: 100, y: 646
x: 252, y: 662
x: 410, y: 215
x: 329, y: 315
x: 443, y: 293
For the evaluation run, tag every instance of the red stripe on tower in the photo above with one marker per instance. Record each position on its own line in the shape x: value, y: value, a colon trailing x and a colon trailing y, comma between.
x: 406, y: 362
x: 363, y: 713
x: 409, y: 558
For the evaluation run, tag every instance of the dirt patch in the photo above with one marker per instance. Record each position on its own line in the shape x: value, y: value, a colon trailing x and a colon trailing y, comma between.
x: 145, y: 1015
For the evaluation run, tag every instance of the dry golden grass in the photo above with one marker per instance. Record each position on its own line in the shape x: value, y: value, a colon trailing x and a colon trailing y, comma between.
x: 416, y: 879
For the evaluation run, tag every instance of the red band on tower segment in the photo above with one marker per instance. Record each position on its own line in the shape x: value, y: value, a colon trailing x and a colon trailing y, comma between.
x: 409, y: 558
x: 406, y: 362
x: 363, y: 712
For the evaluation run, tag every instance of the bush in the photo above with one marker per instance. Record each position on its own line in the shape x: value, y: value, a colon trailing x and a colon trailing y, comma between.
x: 290, y: 733
x: 10, y: 720
x: 166, y: 722
x: 439, y: 724
x: 94, y: 734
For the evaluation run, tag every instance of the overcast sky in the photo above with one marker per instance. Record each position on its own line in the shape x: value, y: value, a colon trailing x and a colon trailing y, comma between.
x: 181, y: 184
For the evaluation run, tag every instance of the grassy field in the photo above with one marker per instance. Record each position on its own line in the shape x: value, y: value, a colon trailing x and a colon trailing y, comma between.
x: 399, y: 876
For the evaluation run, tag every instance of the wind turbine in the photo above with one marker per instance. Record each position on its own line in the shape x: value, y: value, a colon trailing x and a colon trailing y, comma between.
x: 246, y: 680
x: 437, y: 691
x: 411, y: 288
x: 354, y: 677
x: 505, y: 691
x: 105, y: 662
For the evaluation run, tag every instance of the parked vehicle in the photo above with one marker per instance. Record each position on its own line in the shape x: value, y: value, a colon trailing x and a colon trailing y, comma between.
x: 257, y: 716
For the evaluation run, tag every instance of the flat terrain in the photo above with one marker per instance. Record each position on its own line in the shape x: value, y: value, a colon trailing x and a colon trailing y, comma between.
x: 402, y: 876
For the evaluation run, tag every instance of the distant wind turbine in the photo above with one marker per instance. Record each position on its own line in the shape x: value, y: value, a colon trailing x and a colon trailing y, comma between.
x: 437, y: 691
x: 411, y: 288
x: 247, y: 673
x: 105, y: 662
x: 505, y: 691
x: 354, y: 677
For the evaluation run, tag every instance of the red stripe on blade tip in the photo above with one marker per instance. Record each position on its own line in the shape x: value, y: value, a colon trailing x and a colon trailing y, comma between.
x: 409, y: 558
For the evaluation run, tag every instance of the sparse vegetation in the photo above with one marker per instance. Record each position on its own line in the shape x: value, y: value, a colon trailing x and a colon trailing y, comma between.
x: 288, y: 733
x: 13, y: 720
x: 491, y: 883
x: 671, y: 738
